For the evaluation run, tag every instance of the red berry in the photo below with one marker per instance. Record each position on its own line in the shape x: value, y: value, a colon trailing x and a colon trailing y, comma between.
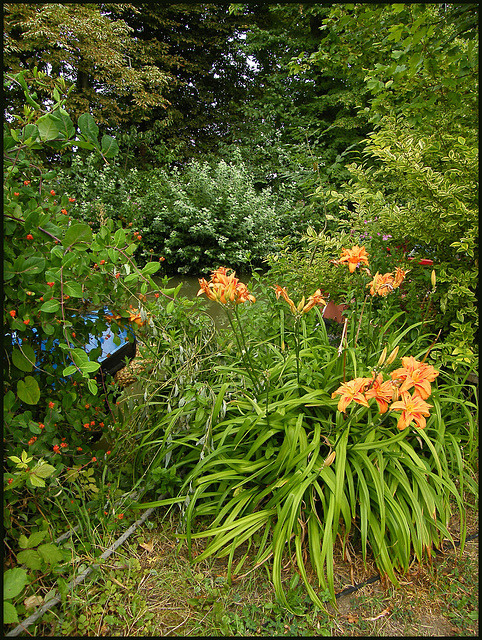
x: 26, y: 321
x: 156, y: 295
x: 29, y: 236
x: 71, y: 199
x: 52, y: 193
x: 13, y: 313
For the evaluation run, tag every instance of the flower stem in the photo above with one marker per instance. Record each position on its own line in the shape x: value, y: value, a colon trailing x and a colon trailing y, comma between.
x: 242, y: 347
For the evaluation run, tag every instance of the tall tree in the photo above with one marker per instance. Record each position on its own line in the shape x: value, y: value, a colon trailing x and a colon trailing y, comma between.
x: 114, y: 75
x: 197, y: 45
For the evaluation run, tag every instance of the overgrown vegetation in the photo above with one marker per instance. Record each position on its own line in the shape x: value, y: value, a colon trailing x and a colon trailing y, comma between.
x: 332, y: 165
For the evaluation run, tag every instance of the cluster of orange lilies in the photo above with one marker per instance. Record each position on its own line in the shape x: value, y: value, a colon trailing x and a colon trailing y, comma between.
x: 382, y: 284
x: 411, y: 375
x: 225, y: 288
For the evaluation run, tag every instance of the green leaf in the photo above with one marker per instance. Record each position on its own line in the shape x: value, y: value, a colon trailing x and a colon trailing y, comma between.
x: 84, y: 145
x: 9, y: 613
x: 110, y: 148
x: 28, y: 390
x: 68, y: 371
x: 150, y: 268
x: 43, y: 471
x: 92, y: 386
x: 29, y: 131
x: 73, y: 289
x: 23, y: 542
x: 30, y: 558
x: 37, y: 536
x: 89, y: 367
x: 65, y: 123
x: 35, y: 482
x: 14, y: 581
x: 50, y: 553
x: 29, y: 266
x: 50, y: 306
x: 24, y: 359
x: 120, y: 238
x: 76, y: 233
x: 48, y: 127
x: 47, y: 328
x: 88, y: 127
x: 8, y: 400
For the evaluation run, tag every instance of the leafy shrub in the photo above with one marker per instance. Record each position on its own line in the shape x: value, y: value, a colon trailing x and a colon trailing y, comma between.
x: 422, y: 197
x: 196, y: 217
x: 56, y: 270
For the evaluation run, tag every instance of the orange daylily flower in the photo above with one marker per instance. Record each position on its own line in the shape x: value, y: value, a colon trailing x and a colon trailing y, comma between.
x: 316, y: 298
x: 313, y: 300
x: 381, y: 391
x: 353, y: 257
x: 415, y: 374
x: 225, y: 288
x: 399, y: 276
x: 381, y: 284
x: 111, y: 317
x: 352, y: 390
x: 135, y: 316
x: 414, y: 409
x: 281, y: 291
x: 386, y: 283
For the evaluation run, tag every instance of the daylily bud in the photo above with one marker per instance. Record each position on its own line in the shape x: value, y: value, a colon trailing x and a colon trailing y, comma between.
x: 381, y: 359
x: 330, y: 459
x: 434, y: 278
x: 393, y: 355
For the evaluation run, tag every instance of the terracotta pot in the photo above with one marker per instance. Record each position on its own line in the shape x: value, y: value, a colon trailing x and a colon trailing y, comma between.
x: 334, y: 311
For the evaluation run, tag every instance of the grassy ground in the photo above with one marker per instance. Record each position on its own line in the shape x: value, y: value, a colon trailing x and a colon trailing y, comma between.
x: 149, y: 588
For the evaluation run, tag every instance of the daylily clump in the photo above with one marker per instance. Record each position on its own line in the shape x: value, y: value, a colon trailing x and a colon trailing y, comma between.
x: 225, y: 288
x: 313, y: 300
x: 387, y: 393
